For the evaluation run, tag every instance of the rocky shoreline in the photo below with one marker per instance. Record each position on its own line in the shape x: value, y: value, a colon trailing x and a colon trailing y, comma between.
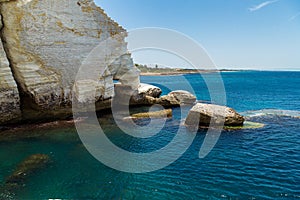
x: 201, y: 115
x: 43, y: 49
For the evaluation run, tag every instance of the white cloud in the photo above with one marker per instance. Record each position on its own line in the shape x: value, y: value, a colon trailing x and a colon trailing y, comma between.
x: 260, y: 6
x: 294, y: 16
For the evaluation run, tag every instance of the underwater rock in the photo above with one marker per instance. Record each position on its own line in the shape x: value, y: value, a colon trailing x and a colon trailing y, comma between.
x: 29, y: 131
x: 246, y: 125
x: 210, y: 114
x: 167, y: 113
x: 26, y: 168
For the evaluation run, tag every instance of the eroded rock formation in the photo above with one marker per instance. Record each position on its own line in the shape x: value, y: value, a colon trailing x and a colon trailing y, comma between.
x: 45, y: 44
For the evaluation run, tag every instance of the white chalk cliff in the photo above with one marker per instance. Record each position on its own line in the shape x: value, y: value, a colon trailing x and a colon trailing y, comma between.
x: 44, y: 43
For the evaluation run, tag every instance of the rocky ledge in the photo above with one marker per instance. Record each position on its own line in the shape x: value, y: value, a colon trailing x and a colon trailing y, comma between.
x: 167, y: 113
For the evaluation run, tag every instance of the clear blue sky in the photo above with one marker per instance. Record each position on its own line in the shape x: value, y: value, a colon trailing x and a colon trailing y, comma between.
x: 236, y: 33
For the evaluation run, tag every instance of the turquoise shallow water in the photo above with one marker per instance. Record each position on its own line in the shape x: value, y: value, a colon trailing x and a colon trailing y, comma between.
x: 245, y: 164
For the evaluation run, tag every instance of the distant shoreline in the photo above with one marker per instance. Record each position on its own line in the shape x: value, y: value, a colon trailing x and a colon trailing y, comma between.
x: 174, y: 72
x: 183, y: 72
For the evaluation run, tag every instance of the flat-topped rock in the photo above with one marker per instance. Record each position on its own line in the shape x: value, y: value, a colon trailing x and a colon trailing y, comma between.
x: 167, y: 113
x: 206, y: 114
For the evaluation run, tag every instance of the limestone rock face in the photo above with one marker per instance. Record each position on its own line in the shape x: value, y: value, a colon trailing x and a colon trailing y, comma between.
x: 9, y: 95
x: 205, y: 114
x: 48, y: 41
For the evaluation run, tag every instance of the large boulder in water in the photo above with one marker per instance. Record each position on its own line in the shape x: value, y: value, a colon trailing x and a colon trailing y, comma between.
x: 149, y: 90
x: 176, y: 98
x: 206, y: 114
x: 144, y: 95
x: 183, y: 97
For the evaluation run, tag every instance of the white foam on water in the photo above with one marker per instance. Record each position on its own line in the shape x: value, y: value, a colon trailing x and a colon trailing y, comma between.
x: 272, y: 112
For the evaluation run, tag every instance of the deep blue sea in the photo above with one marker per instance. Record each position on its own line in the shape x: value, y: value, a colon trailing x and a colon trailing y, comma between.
x: 259, y: 163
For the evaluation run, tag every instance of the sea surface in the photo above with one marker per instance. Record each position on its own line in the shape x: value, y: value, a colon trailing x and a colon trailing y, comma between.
x: 261, y: 163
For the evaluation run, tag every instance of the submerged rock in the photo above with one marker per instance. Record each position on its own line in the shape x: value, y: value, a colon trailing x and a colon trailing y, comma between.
x: 56, y: 130
x: 26, y: 168
x: 246, y: 125
x: 210, y: 114
x: 157, y: 114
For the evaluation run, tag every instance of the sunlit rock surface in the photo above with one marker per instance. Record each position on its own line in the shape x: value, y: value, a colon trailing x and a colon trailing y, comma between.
x: 210, y: 114
x: 9, y: 94
x: 46, y: 43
